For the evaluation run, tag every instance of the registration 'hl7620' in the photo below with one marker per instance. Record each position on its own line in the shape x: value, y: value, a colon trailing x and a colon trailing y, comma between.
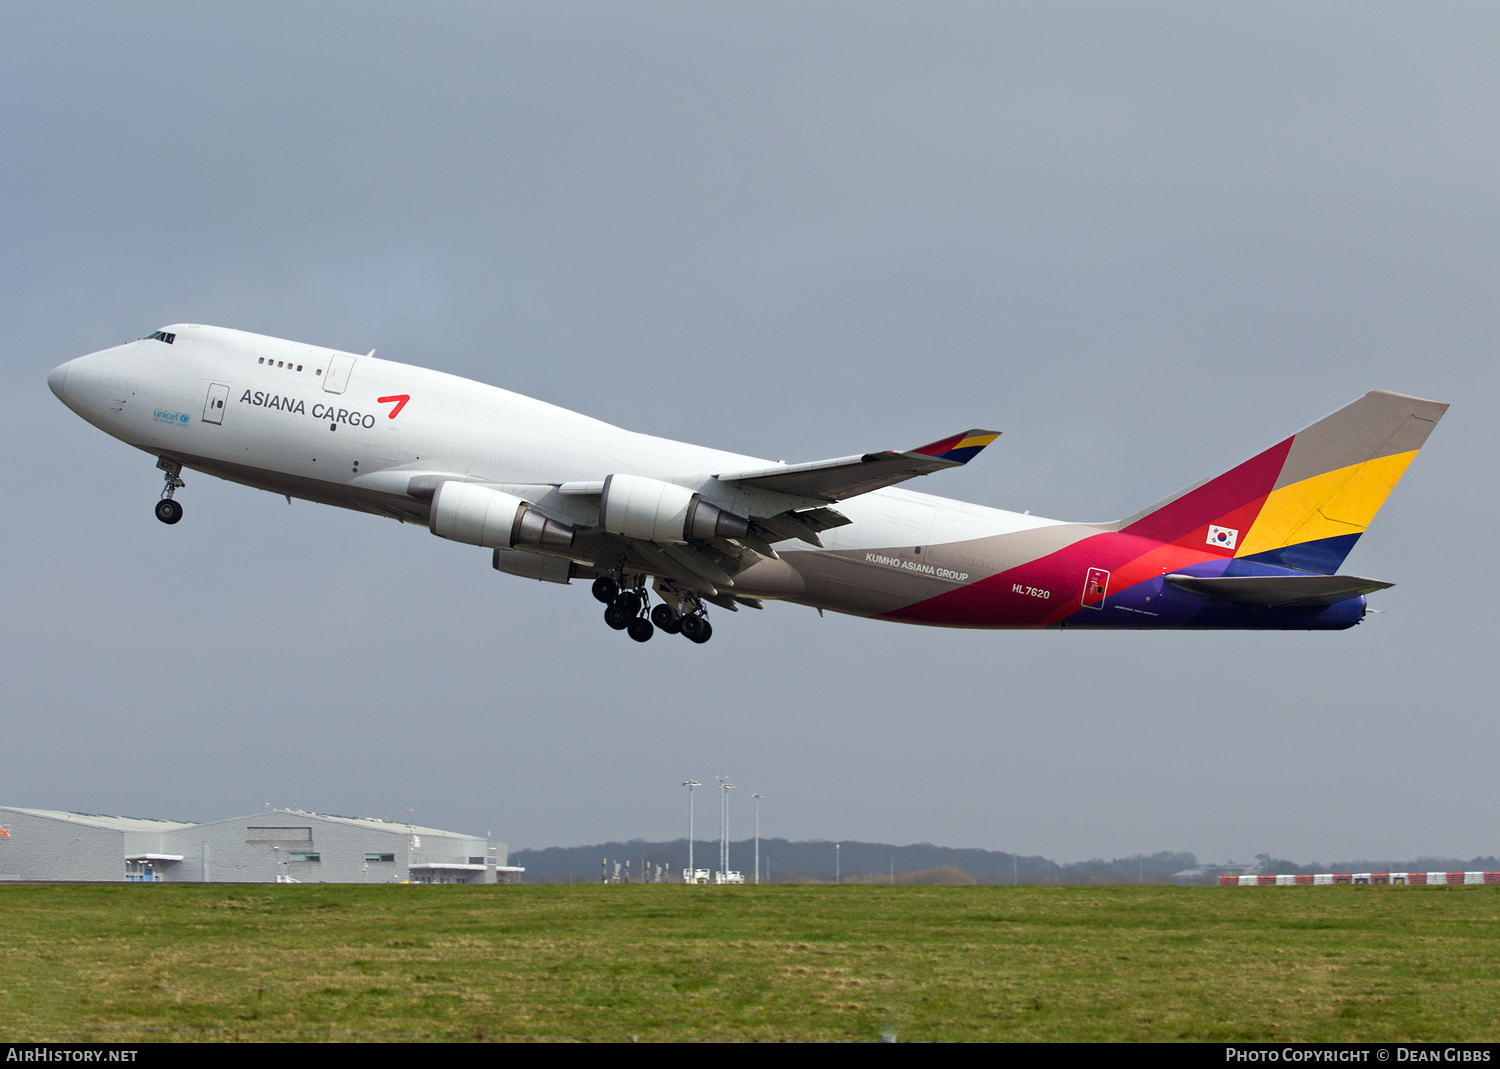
x: 1030, y: 591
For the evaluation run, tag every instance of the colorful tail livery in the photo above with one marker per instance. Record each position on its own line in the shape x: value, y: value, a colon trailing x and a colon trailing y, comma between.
x: 961, y: 448
x: 1303, y: 503
x: 1256, y: 547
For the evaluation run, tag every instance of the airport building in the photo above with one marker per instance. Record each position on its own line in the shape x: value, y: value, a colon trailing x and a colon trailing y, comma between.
x: 277, y: 846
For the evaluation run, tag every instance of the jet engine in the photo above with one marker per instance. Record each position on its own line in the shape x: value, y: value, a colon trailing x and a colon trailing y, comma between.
x: 710, y: 521
x: 480, y: 516
x: 634, y: 506
x: 535, y: 566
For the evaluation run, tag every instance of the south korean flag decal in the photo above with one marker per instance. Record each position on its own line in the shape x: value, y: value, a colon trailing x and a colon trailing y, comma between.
x: 1223, y: 537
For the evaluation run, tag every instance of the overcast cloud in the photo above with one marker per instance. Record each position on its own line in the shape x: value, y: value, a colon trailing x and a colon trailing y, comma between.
x: 1142, y: 240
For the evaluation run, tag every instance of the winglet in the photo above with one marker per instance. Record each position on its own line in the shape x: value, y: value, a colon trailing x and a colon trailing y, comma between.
x: 961, y: 448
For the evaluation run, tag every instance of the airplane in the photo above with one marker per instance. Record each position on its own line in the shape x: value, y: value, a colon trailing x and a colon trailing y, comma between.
x: 557, y: 496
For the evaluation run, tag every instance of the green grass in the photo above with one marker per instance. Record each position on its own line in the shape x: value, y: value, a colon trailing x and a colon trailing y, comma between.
x: 118, y: 962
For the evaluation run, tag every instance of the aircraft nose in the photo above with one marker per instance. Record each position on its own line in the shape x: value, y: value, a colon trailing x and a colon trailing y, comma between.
x: 58, y: 379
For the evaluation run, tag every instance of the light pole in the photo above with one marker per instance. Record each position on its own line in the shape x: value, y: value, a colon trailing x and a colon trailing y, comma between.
x: 837, y: 876
x: 690, y: 784
x: 726, y: 787
x: 757, y: 798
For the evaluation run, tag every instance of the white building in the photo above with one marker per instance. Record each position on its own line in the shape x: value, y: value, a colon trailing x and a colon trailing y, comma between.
x: 284, y: 845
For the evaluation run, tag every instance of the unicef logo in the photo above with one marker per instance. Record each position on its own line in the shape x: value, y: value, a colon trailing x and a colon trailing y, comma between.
x: 182, y: 418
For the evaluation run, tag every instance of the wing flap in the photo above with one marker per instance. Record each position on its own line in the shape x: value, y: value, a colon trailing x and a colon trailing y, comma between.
x: 1279, y: 591
x: 804, y: 525
x: 691, y: 578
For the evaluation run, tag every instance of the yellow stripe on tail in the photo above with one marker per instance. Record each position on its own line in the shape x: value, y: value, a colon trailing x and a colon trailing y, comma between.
x: 1339, y: 502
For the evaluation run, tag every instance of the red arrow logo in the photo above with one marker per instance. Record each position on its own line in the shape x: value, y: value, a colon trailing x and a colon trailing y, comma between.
x: 399, y: 398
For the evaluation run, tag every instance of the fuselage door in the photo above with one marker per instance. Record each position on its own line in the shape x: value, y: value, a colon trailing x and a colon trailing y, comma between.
x: 1095, y: 587
x: 336, y: 378
x: 213, y: 406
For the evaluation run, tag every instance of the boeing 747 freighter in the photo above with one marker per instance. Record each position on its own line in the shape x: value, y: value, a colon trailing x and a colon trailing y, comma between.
x: 558, y: 496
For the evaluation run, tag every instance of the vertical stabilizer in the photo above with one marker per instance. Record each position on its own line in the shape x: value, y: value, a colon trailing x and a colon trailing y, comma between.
x: 1304, y: 502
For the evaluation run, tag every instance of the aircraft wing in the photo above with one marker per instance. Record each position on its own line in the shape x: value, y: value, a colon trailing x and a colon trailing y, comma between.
x: 1279, y: 591
x: 845, y: 477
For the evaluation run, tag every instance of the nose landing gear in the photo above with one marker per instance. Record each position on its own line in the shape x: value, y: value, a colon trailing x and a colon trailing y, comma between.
x: 168, y: 510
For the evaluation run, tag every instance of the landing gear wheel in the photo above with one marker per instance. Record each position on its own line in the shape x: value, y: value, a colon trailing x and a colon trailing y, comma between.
x: 663, y: 617
x: 640, y: 629
x: 631, y: 601
x: 618, y: 616
x: 696, y: 629
x: 606, y: 589
x: 167, y: 510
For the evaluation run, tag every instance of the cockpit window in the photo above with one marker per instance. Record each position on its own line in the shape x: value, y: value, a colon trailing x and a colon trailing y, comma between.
x: 162, y: 335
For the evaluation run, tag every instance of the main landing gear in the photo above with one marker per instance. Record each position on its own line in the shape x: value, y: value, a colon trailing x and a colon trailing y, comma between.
x: 626, y: 611
x: 168, y: 510
x: 666, y: 619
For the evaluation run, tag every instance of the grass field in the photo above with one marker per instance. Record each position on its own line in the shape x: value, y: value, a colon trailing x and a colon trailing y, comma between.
x: 110, y: 963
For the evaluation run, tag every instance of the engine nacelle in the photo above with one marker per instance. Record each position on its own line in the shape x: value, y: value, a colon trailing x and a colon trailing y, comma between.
x: 634, y: 506
x: 481, y: 516
x: 534, y: 565
x: 709, y: 521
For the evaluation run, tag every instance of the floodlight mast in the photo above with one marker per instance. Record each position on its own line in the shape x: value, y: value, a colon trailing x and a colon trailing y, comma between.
x: 726, y: 787
x: 757, y: 798
x: 691, y: 872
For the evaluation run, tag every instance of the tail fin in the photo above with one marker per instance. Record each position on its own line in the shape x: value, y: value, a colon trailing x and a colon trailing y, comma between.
x: 1304, y: 502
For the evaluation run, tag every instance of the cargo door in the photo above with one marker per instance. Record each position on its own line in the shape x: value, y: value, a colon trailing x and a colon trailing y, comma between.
x: 336, y: 378
x: 213, y: 405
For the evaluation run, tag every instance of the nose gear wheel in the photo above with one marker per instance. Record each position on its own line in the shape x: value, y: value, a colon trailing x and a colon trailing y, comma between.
x: 167, y: 510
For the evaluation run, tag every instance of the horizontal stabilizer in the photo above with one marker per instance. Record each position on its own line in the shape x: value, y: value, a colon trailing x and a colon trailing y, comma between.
x: 1279, y: 591
x: 846, y: 477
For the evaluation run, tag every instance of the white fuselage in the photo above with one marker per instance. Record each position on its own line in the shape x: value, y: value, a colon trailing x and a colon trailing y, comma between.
x: 321, y: 433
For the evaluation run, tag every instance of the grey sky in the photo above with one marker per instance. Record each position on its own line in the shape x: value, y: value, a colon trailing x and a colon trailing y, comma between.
x: 1142, y: 240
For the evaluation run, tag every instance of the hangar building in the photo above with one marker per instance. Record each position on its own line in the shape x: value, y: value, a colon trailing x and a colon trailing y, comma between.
x: 279, y: 845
